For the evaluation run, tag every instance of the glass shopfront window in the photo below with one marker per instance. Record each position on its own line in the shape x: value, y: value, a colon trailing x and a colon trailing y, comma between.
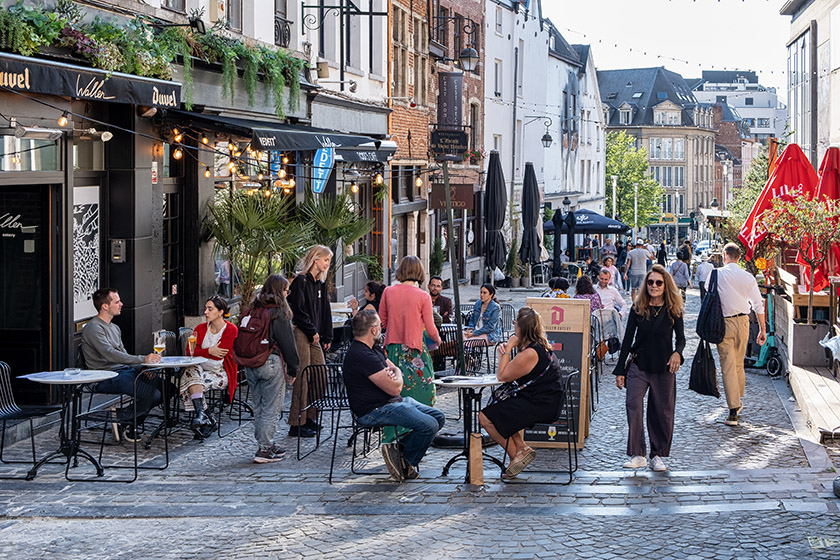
x: 28, y: 154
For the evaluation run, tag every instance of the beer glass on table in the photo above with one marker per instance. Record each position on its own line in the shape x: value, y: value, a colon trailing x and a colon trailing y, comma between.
x: 191, y: 345
x: 159, y: 344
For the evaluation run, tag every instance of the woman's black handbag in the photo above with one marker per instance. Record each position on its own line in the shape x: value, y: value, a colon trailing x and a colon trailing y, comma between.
x: 710, y: 324
x: 703, y: 379
x: 509, y: 390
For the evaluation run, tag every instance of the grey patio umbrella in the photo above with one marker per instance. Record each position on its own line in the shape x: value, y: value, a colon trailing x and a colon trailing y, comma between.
x: 495, y: 203
x: 557, y: 221
x: 530, y: 250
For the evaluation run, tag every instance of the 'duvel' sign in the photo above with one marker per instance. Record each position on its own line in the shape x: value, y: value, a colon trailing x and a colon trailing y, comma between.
x: 23, y: 74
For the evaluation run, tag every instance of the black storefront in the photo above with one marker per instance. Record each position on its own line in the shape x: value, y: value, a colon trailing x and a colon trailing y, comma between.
x: 95, y: 202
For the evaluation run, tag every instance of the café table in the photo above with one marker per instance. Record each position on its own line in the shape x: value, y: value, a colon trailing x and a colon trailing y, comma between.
x: 470, y: 388
x: 70, y: 382
x: 172, y: 365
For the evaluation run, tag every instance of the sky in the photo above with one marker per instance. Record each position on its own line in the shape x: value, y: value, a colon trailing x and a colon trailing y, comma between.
x: 708, y: 34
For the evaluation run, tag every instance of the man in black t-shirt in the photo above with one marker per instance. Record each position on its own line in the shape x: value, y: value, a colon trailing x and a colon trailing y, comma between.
x: 373, y: 385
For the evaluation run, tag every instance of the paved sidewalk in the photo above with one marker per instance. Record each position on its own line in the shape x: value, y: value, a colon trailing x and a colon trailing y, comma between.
x: 746, y: 492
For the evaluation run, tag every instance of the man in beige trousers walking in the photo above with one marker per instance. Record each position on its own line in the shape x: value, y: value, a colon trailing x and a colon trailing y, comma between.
x: 739, y: 293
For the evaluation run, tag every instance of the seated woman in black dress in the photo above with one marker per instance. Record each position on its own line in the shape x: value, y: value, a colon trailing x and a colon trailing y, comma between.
x: 536, y: 402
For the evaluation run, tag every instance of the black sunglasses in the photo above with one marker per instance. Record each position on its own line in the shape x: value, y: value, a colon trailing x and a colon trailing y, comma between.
x: 655, y: 282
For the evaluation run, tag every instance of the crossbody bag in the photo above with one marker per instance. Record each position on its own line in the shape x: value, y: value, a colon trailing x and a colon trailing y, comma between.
x: 632, y: 357
x: 509, y: 390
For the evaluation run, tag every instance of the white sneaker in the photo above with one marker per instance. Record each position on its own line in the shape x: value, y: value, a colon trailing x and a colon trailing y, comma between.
x: 637, y: 462
x: 657, y: 464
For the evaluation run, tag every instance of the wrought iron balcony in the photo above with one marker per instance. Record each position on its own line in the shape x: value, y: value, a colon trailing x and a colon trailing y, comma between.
x: 282, y: 31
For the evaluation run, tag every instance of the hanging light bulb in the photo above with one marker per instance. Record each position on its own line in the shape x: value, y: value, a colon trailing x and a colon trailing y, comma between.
x: 285, y: 159
x: 379, y: 179
x: 258, y: 155
x: 260, y: 177
x: 267, y: 193
x: 278, y: 184
x: 238, y: 153
x: 207, y: 172
x: 418, y: 182
x: 354, y: 187
x: 287, y: 190
x: 204, y: 140
x: 291, y: 182
x: 282, y: 174
x: 231, y: 146
x: 179, y: 137
x: 62, y: 120
x: 231, y: 166
x: 177, y: 154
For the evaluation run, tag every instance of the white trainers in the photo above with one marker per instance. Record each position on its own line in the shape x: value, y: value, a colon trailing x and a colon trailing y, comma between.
x: 657, y: 464
x: 636, y: 462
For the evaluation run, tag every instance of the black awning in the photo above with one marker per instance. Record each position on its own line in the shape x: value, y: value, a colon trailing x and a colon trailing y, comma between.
x: 31, y: 75
x: 272, y: 136
x: 380, y: 151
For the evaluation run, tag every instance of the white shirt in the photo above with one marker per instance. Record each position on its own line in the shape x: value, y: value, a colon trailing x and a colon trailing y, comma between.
x: 738, y: 291
x: 610, y: 298
x: 703, y: 270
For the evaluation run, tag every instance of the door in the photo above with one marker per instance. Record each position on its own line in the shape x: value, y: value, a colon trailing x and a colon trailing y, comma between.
x: 172, y: 308
x: 25, y: 249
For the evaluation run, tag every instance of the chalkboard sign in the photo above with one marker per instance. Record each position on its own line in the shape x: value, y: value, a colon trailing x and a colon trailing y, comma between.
x: 566, y: 323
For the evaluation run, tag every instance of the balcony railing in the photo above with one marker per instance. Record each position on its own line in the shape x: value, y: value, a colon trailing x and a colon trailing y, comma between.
x: 282, y: 31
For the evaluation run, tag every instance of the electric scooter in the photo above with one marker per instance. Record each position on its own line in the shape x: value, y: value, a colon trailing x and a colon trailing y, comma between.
x: 769, y: 356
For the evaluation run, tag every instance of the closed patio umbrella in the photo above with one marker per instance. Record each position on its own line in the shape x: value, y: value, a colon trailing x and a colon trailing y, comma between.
x: 530, y: 250
x: 495, y: 202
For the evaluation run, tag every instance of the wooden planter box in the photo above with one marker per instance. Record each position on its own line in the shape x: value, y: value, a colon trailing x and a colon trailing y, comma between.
x: 800, y: 340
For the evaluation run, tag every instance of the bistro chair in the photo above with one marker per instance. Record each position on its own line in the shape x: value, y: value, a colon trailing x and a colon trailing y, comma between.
x: 9, y: 410
x: 477, y: 357
x: 324, y: 391
x: 106, y: 417
x: 565, y: 424
x: 507, y: 317
x: 171, y: 340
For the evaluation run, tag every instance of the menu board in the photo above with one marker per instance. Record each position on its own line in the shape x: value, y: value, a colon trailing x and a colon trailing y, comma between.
x: 566, y: 323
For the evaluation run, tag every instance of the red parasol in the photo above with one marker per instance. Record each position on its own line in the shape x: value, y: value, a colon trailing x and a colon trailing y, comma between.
x: 829, y: 188
x: 793, y: 175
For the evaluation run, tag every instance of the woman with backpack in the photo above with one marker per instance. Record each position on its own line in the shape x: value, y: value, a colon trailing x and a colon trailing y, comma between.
x: 268, y: 381
x: 309, y: 301
x: 213, y: 340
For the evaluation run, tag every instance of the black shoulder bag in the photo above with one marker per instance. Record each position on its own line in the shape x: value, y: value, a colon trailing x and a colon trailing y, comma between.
x: 509, y: 390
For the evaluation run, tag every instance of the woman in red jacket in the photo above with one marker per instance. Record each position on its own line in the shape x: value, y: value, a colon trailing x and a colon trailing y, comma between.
x: 214, y: 341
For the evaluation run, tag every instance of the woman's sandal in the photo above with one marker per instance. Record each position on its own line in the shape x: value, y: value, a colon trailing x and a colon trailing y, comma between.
x: 520, y: 462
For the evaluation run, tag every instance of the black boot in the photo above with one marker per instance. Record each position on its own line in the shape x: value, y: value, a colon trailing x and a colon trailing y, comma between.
x: 201, y: 424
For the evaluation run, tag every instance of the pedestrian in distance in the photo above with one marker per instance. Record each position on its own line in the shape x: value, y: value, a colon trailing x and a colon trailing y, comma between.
x: 701, y: 274
x: 267, y: 382
x: 636, y: 267
x: 309, y: 301
x: 654, y: 342
x: 739, y: 293
x: 407, y: 317
x: 662, y: 255
x: 682, y: 277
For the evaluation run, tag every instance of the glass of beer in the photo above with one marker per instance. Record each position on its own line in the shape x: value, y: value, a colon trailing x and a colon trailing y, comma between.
x: 159, y: 344
x: 191, y: 345
x: 552, y: 431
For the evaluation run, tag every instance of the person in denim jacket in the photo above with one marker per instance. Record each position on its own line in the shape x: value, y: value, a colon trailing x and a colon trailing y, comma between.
x: 486, y: 318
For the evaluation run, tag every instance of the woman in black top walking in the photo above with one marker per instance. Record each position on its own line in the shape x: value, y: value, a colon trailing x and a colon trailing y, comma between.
x: 656, y: 323
x: 662, y: 255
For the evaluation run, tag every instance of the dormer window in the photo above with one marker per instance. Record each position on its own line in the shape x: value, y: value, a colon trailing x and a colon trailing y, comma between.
x: 625, y: 116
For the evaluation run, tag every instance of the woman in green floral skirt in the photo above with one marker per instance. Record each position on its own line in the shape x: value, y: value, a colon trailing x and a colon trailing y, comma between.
x: 406, y: 314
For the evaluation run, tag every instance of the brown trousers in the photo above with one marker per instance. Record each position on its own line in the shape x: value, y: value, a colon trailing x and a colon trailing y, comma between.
x: 732, y: 350
x: 310, y: 353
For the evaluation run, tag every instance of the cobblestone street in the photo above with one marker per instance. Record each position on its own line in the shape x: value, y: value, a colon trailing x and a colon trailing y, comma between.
x: 753, y: 491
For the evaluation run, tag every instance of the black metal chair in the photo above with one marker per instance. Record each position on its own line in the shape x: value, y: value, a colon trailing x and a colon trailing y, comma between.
x: 594, y: 362
x: 508, y: 315
x: 325, y: 393
x: 565, y: 424
x: 477, y: 357
x: 9, y: 410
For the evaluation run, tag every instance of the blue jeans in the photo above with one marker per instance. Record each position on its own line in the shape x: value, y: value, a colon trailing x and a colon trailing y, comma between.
x: 423, y: 421
x: 268, y: 387
x: 148, y: 389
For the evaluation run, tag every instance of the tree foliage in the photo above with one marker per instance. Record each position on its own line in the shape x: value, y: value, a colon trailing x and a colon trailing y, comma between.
x: 630, y: 164
x: 811, y: 226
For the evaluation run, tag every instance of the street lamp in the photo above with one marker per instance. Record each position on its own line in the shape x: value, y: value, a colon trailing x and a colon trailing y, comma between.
x: 635, y: 210
x: 570, y: 225
x: 615, y: 185
x: 468, y: 57
x: 546, y: 139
